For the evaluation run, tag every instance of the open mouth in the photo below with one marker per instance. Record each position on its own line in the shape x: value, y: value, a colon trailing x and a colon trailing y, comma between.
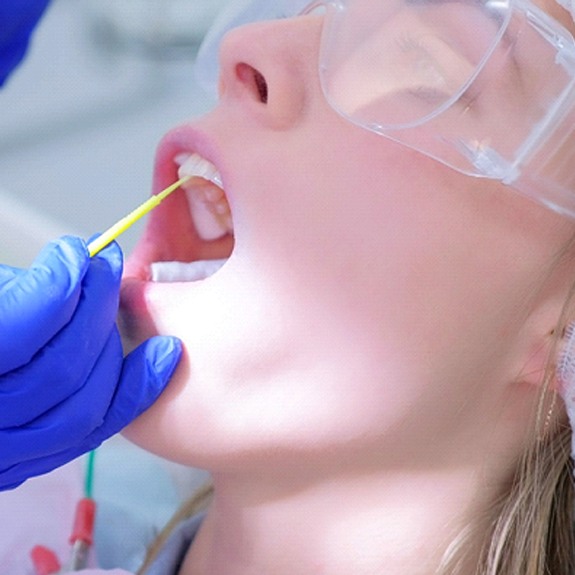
x: 196, y: 233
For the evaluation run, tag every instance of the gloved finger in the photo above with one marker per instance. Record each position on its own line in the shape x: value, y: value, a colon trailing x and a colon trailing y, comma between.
x: 71, y: 421
x: 63, y: 366
x: 18, y: 18
x: 37, y: 303
x: 146, y: 372
x: 7, y: 274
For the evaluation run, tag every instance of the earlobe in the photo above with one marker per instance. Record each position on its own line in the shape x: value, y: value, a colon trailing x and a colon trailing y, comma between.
x: 546, y: 347
x: 549, y: 371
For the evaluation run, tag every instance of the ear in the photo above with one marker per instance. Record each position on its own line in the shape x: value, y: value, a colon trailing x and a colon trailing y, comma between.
x: 542, y: 344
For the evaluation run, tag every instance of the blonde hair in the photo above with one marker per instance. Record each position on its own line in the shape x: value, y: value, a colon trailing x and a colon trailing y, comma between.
x: 529, y: 530
x: 533, y: 534
x: 533, y: 531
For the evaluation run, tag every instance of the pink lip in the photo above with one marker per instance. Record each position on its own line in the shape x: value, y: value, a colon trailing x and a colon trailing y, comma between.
x: 169, y: 233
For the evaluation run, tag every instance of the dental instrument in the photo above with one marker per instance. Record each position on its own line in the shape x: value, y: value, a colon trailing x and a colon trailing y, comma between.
x: 45, y: 560
x: 126, y: 222
x: 82, y: 534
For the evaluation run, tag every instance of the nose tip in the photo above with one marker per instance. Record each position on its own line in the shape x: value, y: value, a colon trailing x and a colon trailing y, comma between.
x: 271, y: 68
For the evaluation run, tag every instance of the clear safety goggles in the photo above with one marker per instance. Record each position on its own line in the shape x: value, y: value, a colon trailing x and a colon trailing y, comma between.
x: 486, y: 87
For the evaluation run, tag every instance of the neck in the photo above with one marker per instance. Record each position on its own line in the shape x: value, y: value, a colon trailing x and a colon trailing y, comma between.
x: 388, y: 523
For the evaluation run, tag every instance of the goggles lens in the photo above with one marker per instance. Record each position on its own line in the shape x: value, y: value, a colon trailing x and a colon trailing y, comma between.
x: 486, y: 87
x: 396, y: 63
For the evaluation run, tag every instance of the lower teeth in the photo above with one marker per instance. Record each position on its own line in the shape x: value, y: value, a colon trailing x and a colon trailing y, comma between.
x: 164, y: 272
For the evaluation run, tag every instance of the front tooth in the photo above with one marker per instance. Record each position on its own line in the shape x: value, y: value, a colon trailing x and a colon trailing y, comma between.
x: 208, y: 220
x: 195, y: 165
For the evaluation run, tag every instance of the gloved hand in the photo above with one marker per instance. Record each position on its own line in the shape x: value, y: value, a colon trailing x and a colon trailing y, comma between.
x: 17, y: 21
x: 64, y: 384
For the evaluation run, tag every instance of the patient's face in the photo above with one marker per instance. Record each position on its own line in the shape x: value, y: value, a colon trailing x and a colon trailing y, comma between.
x: 371, y: 295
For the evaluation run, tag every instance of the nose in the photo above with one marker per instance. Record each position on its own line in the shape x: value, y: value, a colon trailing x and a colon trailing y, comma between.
x: 271, y: 69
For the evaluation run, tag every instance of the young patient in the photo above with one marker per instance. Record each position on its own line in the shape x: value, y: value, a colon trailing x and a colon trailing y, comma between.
x: 365, y: 375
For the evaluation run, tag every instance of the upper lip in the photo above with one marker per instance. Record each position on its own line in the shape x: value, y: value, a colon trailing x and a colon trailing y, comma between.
x: 181, y: 140
x: 170, y: 234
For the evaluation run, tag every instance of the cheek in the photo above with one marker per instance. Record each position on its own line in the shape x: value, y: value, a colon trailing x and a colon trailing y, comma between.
x: 393, y: 246
x: 387, y: 281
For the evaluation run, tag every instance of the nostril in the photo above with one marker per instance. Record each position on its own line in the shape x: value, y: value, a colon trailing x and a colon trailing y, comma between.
x: 253, y: 79
x: 262, y: 87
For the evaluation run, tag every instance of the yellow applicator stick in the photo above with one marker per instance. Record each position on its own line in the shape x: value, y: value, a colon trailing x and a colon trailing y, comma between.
x: 126, y: 222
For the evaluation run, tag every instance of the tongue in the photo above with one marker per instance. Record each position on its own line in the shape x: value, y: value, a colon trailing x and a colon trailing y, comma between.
x: 167, y: 272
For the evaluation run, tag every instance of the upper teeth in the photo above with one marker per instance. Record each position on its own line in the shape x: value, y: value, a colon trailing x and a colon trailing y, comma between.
x: 209, y: 206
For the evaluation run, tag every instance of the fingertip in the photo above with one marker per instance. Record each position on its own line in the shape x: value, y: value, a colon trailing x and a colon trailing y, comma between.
x: 57, y: 272
x: 167, y: 351
x: 145, y: 374
x: 71, y: 251
x: 73, y: 245
x: 112, y: 254
x: 163, y: 354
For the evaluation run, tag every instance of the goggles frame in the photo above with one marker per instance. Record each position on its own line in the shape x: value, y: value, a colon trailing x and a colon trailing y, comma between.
x: 535, y: 162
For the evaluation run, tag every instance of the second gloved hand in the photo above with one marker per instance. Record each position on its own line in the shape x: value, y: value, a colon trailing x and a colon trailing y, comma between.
x: 17, y: 21
x: 64, y: 384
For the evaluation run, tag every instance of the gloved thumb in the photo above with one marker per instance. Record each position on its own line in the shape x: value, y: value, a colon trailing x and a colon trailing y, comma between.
x: 145, y: 373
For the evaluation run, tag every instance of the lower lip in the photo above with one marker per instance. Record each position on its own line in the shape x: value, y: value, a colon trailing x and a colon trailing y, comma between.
x: 134, y: 316
x: 141, y: 300
x: 132, y: 295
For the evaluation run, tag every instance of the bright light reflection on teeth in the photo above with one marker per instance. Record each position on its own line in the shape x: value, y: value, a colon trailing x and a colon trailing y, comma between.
x: 168, y: 272
x: 195, y: 165
x: 209, y: 207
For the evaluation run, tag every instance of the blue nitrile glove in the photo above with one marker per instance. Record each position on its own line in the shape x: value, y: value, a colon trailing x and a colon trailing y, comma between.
x: 17, y: 21
x: 64, y: 384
